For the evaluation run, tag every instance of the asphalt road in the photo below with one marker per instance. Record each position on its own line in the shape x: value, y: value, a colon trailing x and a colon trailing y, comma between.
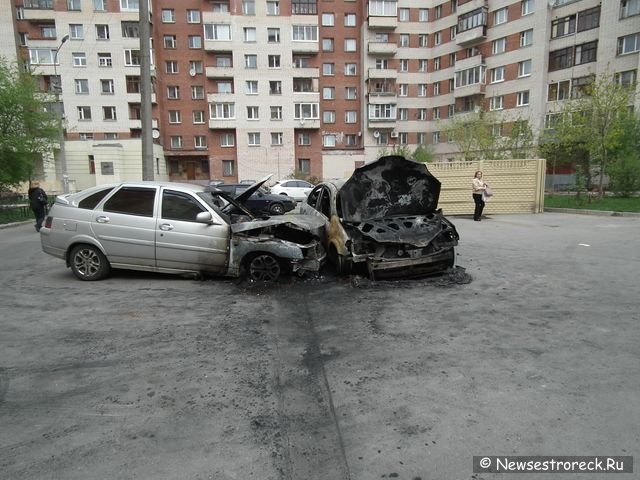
x: 535, y: 350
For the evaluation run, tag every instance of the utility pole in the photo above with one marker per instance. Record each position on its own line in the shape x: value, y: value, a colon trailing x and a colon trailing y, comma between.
x: 145, y: 91
x: 60, y: 111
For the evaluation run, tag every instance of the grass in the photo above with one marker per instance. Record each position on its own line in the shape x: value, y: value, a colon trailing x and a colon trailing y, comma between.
x: 585, y: 202
x: 17, y: 214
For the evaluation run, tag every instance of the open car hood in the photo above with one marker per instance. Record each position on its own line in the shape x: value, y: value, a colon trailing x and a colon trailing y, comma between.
x: 309, y: 223
x: 244, y: 196
x: 390, y: 186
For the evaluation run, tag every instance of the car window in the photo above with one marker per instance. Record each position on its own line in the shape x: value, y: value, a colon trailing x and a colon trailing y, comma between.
x: 94, y: 199
x: 180, y: 206
x: 312, y: 199
x: 325, y: 202
x: 132, y: 201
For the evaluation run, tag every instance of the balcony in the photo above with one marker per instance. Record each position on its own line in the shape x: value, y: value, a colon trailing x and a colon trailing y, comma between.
x: 469, y: 90
x: 303, y: 46
x: 222, y: 123
x: 383, y: 73
x: 470, y: 5
x: 221, y: 97
x: 219, y: 72
x: 472, y: 37
x: 215, y: 17
x: 380, y: 98
x: 307, y: 72
x: 383, y: 48
x: 39, y: 14
x: 380, y: 123
x: 307, y: 123
x: 382, y: 23
x: 218, y: 45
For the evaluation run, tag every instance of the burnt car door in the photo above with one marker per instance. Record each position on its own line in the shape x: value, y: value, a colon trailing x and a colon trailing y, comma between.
x: 184, y: 242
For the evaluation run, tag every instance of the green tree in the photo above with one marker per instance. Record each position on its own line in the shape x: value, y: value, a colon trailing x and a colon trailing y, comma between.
x: 520, y: 143
x: 423, y: 154
x: 624, y: 171
x: 472, y: 133
x: 595, y: 122
x: 27, y: 129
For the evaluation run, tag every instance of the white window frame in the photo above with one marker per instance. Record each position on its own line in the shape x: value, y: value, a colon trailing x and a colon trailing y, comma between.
x: 168, y: 15
x: 82, y: 86
x: 501, y: 16
x: 496, y: 103
x: 524, y: 68
x: 522, y: 98
x: 227, y: 140
x: 499, y: 45
x: 526, y: 38
x: 253, y: 139
x: 497, y: 74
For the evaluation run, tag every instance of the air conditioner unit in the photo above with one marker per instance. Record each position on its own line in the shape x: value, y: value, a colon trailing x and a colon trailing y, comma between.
x: 394, y: 135
x: 359, y: 134
x: 376, y: 134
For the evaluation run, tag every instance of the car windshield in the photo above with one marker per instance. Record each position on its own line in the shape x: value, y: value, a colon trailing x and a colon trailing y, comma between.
x: 224, y: 204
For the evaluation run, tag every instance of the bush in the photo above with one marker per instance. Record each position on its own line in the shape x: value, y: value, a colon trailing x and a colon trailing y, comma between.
x: 624, y: 176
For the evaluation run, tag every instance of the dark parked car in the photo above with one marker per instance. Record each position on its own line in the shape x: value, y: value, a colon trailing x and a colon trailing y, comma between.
x: 385, y: 218
x: 260, y: 202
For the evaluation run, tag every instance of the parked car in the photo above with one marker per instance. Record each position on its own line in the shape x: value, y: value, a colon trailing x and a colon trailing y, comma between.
x: 296, y: 189
x: 176, y: 228
x: 260, y: 202
x: 385, y: 218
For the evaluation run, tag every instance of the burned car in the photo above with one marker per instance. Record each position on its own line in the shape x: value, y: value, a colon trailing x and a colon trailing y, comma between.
x: 384, y: 218
x: 176, y: 228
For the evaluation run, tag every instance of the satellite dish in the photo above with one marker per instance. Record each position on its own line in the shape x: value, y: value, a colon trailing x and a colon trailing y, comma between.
x: 155, y: 133
x: 192, y: 72
x: 376, y: 134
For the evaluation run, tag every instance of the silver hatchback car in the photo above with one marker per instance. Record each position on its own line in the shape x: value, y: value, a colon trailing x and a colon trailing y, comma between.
x: 176, y: 228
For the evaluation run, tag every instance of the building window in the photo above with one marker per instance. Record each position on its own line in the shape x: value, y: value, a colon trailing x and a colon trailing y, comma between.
x: 497, y: 74
x: 422, y: 90
x: 274, y: 61
x: 423, y: 40
x: 222, y: 111
x: 107, y: 87
x: 273, y: 35
x: 173, y: 92
x: 195, y: 67
x: 351, y: 93
x: 329, y: 140
x: 522, y: 98
x: 327, y: 45
x: 526, y: 38
x: 423, y: 15
x: 629, y: 8
x: 304, y: 33
x: 350, y: 45
x: 176, y: 142
x: 275, y: 87
x: 404, y: 65
x: 329, y: 116
x: 253, y: 113
x: 586, y: 53
x: 82, y: 86
x: 76, y: 31
x: 98, y: 5
x: 275, y: 112
x: 304, y: 7
x: 168, y: 15
x: 225, y: 86
x: 349, y: 19
x: 435, y: 137
x: 436, y: 89
x: 629, y: 44
x: 228, y: 168
x: 84, y: 113
x: 109, y: 113
x: 588, y: 19
x: 524, y: 68
x: 560, y: 59
x: 422, y: 65
x: 197, y: 92
x: 350, y: 69
x: 273, y: 8
x: 435, y: 113
x: 563, y: 26
x: 200, y: 142
x: 527, y: 7
x: 328, y: 69
x: 171, y: 66
x: 403, y: 114
x: 496, y: 103
x: 499, y: 46
x: 73, y: 5
x: 304, y: 111
x: 227, y: 140
x: 250, y: 87
x: 253, y: 138
x: 169, y: 41
x: 193, y: 16
x: 248, y: 7
x: 350, y: 116
x: 328, y: 93
x: 304, y: 139
x: 304, y: 165
x: 404, y: 40
x: 102, y: 32
x: 473, y: 19
x: 251, y: 61
x: 195, y: 41
x: 436, y: 64
x: 437, y: 38
x: 175, y: 116
x: 438, y: 12
x: 249, y: 34
x: 197, y: 117
x: 277, y: 138
x: 79, y: 59
x: 328, y: 20
x: 500, y: 16
x: 403, y: 15
x: 217, y: 31
x: 627, y: 78
x: 130, y: 30
x: 132, y: 83
x: 470, y: 76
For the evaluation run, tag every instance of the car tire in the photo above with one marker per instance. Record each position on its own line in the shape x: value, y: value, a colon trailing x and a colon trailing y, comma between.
x: 88, y: 263
x: 263, y: 267
x: 284, y: 193
x: 340, y: 262
x: 276, y: 209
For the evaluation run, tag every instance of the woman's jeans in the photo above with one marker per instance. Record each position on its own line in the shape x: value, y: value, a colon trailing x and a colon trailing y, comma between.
x: 477, y: 198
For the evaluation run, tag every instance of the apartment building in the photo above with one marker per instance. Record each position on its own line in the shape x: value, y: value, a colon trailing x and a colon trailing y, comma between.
x: 245, y: 88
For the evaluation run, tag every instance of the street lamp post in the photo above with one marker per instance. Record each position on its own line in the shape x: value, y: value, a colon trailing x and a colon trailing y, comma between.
x: 58, y: 90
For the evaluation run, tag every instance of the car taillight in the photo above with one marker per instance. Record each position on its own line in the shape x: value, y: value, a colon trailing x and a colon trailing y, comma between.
x: 48, y: 222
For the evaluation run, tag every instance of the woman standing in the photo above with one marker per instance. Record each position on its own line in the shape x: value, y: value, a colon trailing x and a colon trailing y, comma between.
x: 477, y: 189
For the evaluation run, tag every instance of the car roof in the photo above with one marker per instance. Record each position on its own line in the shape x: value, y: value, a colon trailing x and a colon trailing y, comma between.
x: 192, y: 187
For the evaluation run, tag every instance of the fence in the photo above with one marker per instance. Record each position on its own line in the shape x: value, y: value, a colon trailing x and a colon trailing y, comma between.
x: 518, y: 185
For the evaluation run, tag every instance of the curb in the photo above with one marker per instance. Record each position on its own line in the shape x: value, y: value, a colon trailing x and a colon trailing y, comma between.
x: 14, y: 224
x: 601, y: 213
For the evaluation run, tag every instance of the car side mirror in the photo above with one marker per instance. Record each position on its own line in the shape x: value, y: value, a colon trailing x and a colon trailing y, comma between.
x: 205, y: 217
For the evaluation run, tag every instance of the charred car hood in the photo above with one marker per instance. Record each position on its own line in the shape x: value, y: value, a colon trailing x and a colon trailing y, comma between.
x: 389, y: 187
x: 310, y: 223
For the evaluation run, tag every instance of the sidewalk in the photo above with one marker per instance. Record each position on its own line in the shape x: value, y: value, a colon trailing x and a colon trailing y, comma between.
x: 602, y: 213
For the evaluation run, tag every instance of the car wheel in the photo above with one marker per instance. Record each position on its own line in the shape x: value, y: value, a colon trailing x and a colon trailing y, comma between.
x: 88, y: 263
x: 284, y: 193
x: 263, y: 268
x: 277, y: 209
x: 340, y: 262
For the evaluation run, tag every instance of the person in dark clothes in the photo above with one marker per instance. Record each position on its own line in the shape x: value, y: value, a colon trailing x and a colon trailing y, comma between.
x: 38, y: 202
